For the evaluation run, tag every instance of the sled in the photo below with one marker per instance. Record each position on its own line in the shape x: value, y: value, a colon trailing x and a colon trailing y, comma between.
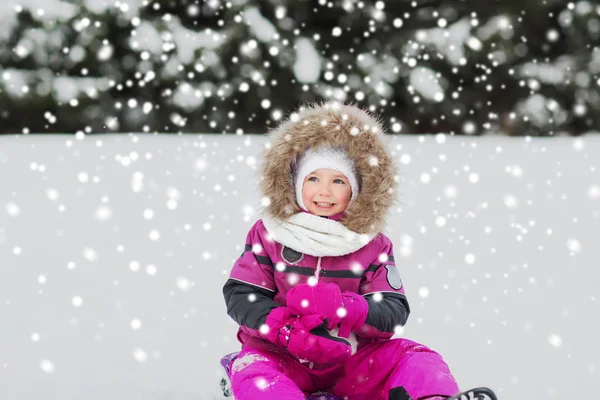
x: 226, y: 362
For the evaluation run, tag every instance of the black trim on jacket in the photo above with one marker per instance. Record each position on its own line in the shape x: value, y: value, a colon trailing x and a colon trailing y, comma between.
x: 387, y: 313
x: 248, y: 305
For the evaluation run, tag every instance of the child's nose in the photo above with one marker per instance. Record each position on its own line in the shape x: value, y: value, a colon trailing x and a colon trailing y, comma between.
x: 325, y: 188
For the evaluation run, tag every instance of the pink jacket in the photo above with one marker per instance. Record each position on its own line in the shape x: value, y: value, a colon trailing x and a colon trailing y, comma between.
x: 262, y: 276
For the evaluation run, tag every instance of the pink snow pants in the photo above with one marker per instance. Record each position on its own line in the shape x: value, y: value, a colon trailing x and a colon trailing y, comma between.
x: 262, y: 371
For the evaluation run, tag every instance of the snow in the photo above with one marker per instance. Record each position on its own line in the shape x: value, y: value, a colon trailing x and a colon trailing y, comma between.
x: 423, y: 79
x: 449, y: 41
x: 111, y: 272
x: 260, y: 27
x: 307, y: 67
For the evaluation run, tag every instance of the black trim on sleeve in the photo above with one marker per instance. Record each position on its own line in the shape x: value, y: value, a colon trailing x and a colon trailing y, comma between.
x: 247, y: 247
x: 263, y: 260
x: 399, y: 393
x: 375, y: 267
x: 248, y: 305
x: 390, y: 311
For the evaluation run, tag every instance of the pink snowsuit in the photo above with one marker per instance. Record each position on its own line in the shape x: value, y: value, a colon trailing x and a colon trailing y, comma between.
x: 259, y: 282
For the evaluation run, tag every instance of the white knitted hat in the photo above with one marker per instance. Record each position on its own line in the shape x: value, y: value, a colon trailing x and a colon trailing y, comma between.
x: 324, y: 157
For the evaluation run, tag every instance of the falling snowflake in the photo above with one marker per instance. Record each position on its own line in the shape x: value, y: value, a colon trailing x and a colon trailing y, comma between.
x: 515, y: 170
x: 103, y: 213
x: 52, y: 194
x: 151, y: 269
x: 511, y: 201
x: 135, y: 324
x: 470, y: 258
x: 451, y: 191
x: 148, y: 214
x: 154, y: 235
x: 574, y: 246
x: 47, y: 366
x: 183, y: 284
x: 555, y: 340
x: 594, y: 192
x: 134, y: 266
x: 90, y: 254
x: 140, y: 355
x: 82, y: 177
x: 201, y: 164
x: 77, y: 301
x: 13, y: 210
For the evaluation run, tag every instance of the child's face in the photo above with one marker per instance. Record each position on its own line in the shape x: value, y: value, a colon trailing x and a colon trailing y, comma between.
x: 326, y: 186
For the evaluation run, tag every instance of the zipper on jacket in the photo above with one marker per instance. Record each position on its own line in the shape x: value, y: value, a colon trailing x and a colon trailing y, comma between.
x: 318, y: 271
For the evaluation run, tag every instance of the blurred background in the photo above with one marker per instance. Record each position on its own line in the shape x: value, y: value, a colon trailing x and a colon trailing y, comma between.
x: 472, y: 67
x: 115, y: 241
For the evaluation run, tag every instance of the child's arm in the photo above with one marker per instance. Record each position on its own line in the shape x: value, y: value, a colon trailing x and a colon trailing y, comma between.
x: 250, y: 290
x: 248, y: 305
x: 249, y: 294
x: 382, y: 287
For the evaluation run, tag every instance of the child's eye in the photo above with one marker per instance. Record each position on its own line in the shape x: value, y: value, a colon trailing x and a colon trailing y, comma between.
x: 313, y: 179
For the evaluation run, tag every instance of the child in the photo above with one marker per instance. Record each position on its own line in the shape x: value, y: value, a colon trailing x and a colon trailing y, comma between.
x: 317, y: 292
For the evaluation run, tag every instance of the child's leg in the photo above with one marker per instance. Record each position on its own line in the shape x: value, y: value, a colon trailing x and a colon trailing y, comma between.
x: 261, y: 374
x: 397, y: 363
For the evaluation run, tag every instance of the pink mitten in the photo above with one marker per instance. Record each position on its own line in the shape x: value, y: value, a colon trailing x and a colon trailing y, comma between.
x: 306, y: 338
x: 357, y: 309
x: 323, y: 299
x: 310, y: 340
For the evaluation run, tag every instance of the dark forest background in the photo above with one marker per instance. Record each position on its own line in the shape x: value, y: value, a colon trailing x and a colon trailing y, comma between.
x: 514, y: 67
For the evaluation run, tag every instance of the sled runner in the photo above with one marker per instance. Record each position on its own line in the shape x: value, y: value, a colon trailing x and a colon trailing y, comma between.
x: 481, y: 393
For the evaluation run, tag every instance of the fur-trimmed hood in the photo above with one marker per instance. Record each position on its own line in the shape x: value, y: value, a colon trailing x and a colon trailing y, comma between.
x: 336, y: 125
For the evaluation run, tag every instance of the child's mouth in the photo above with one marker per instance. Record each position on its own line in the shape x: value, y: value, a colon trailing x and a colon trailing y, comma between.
x: 324, y: 205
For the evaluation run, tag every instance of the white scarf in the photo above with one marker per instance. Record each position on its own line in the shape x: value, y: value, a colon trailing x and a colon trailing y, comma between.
x: 316, y: 236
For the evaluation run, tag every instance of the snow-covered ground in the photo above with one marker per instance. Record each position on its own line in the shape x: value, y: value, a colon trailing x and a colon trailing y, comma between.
x: 114, y: 249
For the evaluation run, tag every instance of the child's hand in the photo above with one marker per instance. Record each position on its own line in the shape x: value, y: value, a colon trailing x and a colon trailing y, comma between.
x: 357, y: 309
x: 324, y: 299
x: 310, y: 340
x: 346, y: 309
x: 306, y: 338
